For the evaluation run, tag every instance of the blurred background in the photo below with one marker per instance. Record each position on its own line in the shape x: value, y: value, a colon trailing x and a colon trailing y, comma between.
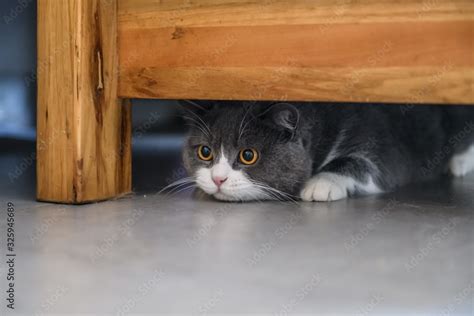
x: 157, y: 125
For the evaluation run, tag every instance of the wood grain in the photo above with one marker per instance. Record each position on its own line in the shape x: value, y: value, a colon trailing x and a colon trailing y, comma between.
x: 84, y: 130
x: 230, y: 49
x: 351, y: 45
x: 140, y: 14
x: 419, y: 85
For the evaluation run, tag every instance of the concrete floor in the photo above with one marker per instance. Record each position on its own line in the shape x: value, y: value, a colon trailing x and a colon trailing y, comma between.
x: 410, y: 251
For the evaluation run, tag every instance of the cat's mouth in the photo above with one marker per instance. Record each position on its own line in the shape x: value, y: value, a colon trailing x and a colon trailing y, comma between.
x: 222, y: 194
x: 235, y: 195
x: 236, y: 187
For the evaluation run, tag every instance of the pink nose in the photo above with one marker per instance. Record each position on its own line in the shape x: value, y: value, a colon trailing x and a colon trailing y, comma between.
x: 219, y: 180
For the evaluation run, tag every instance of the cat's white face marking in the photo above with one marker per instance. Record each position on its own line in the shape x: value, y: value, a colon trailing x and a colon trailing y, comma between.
x: 227, y: 184
x: 462, y: 164
x: 328, y: 186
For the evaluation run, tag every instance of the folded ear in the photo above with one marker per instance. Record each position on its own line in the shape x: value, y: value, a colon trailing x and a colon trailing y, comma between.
x: 282, y: 116
x: 198, y: 107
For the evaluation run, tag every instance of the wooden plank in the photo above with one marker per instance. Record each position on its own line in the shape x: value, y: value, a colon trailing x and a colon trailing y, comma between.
x: 183, y: 13
x: 351, y: 45
x: 245, y: 43
x: 420, y: 85
x: 83, y: 138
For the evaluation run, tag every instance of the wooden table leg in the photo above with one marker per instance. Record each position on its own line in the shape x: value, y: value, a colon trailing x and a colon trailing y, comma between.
x: 83, y: 129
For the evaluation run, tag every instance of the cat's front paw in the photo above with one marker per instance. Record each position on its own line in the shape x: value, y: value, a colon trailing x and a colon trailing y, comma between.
x: 462, y: 164
x: 325, y: 186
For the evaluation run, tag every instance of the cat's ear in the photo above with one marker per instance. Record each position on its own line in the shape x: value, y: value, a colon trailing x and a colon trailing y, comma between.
x: 283, y: 116
x: 198, y: 107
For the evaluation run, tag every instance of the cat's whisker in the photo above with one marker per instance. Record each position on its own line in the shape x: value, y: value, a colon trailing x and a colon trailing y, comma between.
x: 269, y: 197
x: 178, y: 182
x: 191, y: 186
x: 193, y: 120
x: 197, y: 116
x: 265, y: 191
x: 199, y: 127
x: 275, y: 192
x: 241, y: 130
x: 255, y: 196
x: 245, y: 126
x: 194, y: 104
x: 268, y: 193
x: 179, y: 187
x: 275, y: 197
x: 198, y: 120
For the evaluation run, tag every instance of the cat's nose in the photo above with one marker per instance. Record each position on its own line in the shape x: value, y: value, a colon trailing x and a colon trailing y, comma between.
x: 219, y: 180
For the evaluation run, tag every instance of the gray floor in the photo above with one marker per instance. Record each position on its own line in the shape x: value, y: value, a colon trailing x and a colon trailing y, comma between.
x: 404, y: 252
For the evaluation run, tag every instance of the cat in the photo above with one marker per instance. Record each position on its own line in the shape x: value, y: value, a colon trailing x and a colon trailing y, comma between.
x: 240, y: 151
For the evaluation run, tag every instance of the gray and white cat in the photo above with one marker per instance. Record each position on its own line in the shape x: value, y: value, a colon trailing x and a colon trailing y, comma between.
x: 238, y: 151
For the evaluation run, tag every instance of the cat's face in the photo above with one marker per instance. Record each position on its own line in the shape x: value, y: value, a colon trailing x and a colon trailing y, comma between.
x: 240, y: 153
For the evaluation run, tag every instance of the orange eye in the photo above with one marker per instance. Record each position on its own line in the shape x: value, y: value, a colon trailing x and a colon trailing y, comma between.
x: 248, y: 156
x: 204, y: 153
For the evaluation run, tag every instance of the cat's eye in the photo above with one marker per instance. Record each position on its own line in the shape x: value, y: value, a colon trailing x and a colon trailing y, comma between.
x: 204, y: 153
x: 248, y: 156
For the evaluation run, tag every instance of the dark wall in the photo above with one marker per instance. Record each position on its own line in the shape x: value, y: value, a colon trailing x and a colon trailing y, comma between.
x: 17, y: 37
x: 17, y: 65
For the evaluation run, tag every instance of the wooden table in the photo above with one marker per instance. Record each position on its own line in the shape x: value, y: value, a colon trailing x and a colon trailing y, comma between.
x: 94, y: 55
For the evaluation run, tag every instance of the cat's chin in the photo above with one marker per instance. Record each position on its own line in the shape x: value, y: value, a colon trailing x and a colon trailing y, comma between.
x: 240, y: 198
x: 227, y: 198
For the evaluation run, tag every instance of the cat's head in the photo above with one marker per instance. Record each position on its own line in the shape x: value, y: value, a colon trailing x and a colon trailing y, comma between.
x: 240, y: 152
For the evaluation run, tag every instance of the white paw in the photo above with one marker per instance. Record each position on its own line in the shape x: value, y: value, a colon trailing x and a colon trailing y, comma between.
x: 462, y: 164
x: 458, y: 167
x: 326, y: 187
